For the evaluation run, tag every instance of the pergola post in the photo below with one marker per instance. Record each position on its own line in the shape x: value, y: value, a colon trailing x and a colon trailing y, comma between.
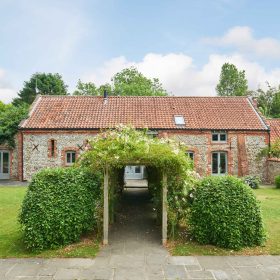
x: 106, y: 206
x: 164, y: 209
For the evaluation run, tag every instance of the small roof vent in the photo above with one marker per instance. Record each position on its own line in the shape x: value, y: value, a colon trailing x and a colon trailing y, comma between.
x: 179, y: 120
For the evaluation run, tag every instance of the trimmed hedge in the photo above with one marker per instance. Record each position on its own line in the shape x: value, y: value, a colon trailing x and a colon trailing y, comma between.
x: 277, y: 181
x: 225, y: 212
x: 59, y: 206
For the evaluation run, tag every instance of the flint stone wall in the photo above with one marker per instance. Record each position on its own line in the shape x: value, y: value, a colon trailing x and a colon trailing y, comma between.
x: 37, y: 158
x: 273, y: 169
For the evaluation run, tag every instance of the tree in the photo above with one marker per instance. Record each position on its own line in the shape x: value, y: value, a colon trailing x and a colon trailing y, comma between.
x: 269, y: 101
x: 232, y: 82
x: 86, y: 89
x: 3, y: 106
x: 131, y: 82
x: 128, y: 82
x: 41, y: 83
x: 9, y: 121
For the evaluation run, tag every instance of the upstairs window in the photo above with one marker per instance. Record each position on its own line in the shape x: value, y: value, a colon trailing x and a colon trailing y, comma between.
x: 70, y: 157
x: 219, y: 136
x: 179, y: 120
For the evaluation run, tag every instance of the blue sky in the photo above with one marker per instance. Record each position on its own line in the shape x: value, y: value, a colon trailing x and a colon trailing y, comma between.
x: 183, y: 43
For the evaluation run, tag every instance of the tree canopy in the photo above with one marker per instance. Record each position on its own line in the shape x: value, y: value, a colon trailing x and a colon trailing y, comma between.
x: 232, y: 81
x: 41, y: 83
x: 131, y: 82
x: 269, y: 101
x: 86, y: 89
x: 128, y: 82
x: 10, y: 118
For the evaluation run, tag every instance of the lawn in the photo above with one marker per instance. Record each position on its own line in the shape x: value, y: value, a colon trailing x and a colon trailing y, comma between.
x: 270, y: 204
x: 11, y: 244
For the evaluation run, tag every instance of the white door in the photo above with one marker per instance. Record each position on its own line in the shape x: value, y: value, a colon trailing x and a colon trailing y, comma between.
x: 4, y: 165
x: 134, y: 172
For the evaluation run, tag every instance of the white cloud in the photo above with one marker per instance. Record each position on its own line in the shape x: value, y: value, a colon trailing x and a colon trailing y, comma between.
x: 241, y: 37
x: 180, y: 76
x: 7, y: 93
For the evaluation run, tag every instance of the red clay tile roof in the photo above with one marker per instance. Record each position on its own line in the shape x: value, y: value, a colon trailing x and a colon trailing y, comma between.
x: 89, y: 112
x: 274, y: 129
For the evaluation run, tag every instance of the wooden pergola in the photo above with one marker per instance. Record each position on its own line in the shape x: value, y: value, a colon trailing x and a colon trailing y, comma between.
x: 106, y: 208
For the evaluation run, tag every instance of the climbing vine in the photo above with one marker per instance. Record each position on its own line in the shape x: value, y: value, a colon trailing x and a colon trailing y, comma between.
x: 123, y: 145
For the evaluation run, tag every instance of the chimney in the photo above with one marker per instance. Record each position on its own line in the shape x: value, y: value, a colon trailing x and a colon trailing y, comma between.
x: 105, y: 96
x: 255, y: 102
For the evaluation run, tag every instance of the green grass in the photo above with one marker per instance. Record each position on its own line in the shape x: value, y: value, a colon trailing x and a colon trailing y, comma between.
x: 270, y: 205
x: 11, y: 244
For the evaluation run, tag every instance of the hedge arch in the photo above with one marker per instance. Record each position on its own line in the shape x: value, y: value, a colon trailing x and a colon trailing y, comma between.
x: 113, y: 149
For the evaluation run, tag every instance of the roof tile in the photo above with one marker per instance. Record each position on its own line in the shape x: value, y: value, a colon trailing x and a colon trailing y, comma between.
x: 274, y: 128
x: 77, y: 112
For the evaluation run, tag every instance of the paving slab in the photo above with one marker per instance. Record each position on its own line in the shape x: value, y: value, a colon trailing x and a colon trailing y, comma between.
x: 175, y: 272
x: 128, y: 273
x: 24, y: 269
x: 219, y: 262
x: 202, y: 274
x: 104, y: 273
x: 66, y: 274
x: 183, y: 260
x: 226, y: 274
x: 237, y: 261
x: 251, y: 273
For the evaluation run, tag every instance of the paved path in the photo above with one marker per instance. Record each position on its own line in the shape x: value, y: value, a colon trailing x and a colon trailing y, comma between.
x: 135, y: 253
x: 134, y: 183
x: 153, y: 267
x: 13, y: 183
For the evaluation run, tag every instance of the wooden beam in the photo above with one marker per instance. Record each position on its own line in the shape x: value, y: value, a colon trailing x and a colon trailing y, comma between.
x: 106, y: 207
x: 164, y: 209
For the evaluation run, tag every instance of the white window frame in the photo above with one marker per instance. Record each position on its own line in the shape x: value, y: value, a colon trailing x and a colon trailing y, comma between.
x: 5, y: 175
x: 219, y: 163
x: 190, y: 152
x: 71, y: 157
x: 219, y: 133
x: 152, y: 133
x: 179, y: 120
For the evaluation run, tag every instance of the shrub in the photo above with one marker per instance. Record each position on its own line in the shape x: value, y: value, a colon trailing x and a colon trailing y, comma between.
x: 59, y: 206
x: 252, y: 181
x: 225, y: 212
x: 277, y: 182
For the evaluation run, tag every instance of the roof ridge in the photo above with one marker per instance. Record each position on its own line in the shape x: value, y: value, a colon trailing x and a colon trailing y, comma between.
x: 144, y: 96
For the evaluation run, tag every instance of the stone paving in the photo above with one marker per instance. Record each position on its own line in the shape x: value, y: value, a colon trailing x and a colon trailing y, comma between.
x: 13, y: 183
x: 135, y: 253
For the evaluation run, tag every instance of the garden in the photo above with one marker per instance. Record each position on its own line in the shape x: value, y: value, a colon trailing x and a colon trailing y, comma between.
x: 62, y: 212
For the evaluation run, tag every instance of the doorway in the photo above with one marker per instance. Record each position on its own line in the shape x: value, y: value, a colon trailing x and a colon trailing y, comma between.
x: 134, y: 172
x: 4, y: 165
x: 219, y: 163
